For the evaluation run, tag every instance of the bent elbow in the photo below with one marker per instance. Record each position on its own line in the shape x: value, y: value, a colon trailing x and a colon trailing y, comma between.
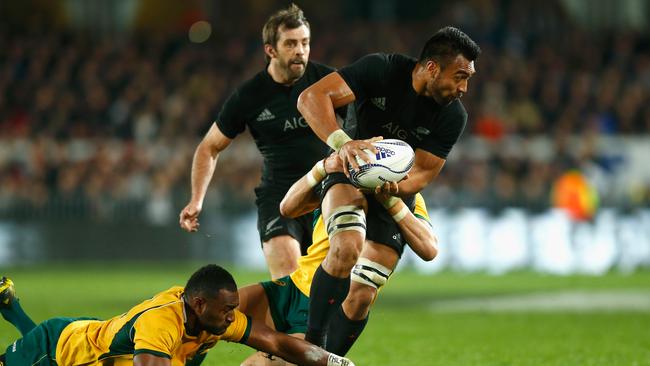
x: 304, y: 99
x: 432, y: 249
x: 285, y: 208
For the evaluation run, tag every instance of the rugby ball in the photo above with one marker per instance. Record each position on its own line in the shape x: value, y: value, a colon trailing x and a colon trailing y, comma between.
x: 392, y: 162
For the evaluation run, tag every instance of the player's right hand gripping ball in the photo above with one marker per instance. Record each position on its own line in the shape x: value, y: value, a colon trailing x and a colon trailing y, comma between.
x: 392, y: 162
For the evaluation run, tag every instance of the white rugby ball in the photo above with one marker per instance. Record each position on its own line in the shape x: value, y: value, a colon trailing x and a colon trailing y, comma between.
x: 392, y: 162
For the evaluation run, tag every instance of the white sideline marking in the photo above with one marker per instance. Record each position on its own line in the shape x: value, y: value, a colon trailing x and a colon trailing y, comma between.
x: 562, y: 301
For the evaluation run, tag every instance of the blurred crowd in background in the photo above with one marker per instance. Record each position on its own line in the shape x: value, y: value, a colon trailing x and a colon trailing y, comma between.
x: 106, y: 126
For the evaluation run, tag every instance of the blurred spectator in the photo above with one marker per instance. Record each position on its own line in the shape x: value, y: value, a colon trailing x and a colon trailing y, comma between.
x: 108, y: 127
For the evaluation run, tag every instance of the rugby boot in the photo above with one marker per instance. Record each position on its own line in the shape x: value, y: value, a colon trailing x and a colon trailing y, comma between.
x: 7, y: 292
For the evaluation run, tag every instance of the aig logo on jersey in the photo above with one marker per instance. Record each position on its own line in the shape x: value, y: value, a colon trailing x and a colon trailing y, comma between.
x: 383, y: 153
x: 401, y: 133
x: 295, y: 122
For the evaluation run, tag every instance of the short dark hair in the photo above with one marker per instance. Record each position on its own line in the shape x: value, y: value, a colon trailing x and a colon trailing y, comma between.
x: 208, y: 280
x: 446, y: 44
x: 291, y: 18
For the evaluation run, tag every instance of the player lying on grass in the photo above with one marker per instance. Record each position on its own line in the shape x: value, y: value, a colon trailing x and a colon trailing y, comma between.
x: 285, y: 303
x: 175, y: 327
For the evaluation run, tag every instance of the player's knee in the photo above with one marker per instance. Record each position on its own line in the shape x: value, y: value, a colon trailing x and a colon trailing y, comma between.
x: 345, y: 255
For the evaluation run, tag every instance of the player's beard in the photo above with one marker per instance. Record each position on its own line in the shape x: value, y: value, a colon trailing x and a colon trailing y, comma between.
x: 292, y: 72
x: 437, y: 92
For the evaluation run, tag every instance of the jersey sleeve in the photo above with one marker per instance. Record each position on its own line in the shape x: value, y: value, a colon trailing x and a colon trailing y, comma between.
x: 239, y: 330
x: 451, y: 121
x: 229, y: 120
x: 157, y: 332
x: 421, y: 209
x: 368, y: 76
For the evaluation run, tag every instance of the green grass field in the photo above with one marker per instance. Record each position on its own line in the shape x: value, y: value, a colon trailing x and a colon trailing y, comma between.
x: 440, y: 319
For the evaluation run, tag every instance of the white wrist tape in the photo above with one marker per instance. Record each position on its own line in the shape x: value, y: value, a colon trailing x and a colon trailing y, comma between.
x: 316, y: 174
x: 320, y: 167
x: 337, y: 139
x: 390, y: 202
x: 401, y: 214
x: 334, y: 360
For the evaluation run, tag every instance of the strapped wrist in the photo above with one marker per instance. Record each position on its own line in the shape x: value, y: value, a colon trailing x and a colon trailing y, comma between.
x: 316, y: 174
x: 390, y: 202
x: 337, y: 139
x: 401, y: 214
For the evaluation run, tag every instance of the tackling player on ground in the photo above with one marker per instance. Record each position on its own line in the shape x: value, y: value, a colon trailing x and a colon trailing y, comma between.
x: 175, y: 327
x: 266, y: 104
x: 396, y: 97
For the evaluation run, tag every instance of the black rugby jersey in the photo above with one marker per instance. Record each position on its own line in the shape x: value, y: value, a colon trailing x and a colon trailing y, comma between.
x: 269, y: 110
x: 388, y: 106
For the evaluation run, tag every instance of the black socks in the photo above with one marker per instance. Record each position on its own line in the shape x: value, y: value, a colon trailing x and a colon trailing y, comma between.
x: 326, y: 295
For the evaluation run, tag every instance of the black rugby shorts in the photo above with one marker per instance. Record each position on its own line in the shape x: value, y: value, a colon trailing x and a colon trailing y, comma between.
x: 380, y: 226
x: 271, y: 224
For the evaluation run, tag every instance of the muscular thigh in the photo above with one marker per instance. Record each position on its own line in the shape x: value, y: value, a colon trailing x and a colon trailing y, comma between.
x: 336, y: 191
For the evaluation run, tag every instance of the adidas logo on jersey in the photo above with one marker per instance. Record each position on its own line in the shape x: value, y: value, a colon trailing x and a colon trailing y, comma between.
x: 266, y: 115
x: 379, y: 103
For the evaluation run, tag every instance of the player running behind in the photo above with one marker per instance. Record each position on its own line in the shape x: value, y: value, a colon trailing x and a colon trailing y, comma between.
x: 396, y: 96
x: 284, y: 302
x: 175, y: 327
x: 266, y: 104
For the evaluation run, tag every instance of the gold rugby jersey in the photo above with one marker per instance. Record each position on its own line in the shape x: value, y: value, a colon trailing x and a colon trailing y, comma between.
x: 317, y: 251
x: 155, y: 326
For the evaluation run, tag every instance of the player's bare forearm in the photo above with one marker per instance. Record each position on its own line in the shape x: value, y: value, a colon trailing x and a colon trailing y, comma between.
x: 318, y: 102
x: 291, y: 349
x: 299, y: 200
x: 301, y: 197
x: 417, y: 233
x: 419, y: 236
x: 205, y: 161
x: 203, y: 166
x: 425, y: 169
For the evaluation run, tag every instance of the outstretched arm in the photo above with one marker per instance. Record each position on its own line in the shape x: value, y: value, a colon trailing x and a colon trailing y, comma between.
x: 203, y: 165
x: 292, y: 349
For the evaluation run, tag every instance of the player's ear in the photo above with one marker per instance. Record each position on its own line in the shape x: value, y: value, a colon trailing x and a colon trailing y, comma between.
x: 270, y: 51
x: 433, y: 68
x: 199, y: 304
